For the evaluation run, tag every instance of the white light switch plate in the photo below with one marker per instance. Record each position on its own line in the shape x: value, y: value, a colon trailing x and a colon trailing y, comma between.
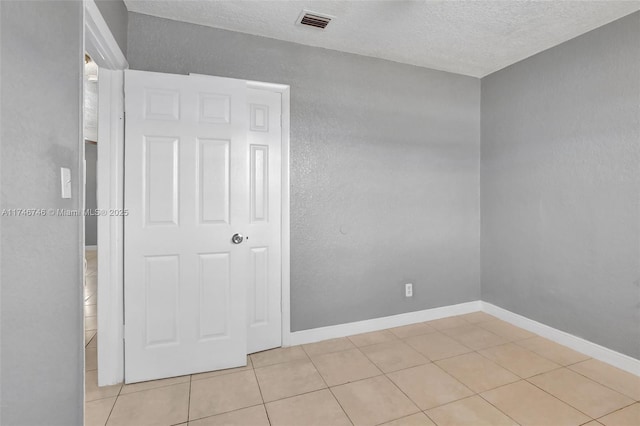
x: 65, y: 182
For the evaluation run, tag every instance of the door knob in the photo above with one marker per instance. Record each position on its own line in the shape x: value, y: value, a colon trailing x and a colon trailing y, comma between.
x: 237, y: 238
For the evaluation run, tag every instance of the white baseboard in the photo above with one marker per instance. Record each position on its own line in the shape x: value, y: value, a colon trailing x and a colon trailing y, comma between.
x: 622, y: 361
x: 91, y: 248
x: 348, y: 329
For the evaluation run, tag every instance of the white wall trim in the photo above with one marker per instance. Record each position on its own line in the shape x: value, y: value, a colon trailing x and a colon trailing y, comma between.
x: 624, y: 362
x: 90, y: 248
x: 285, y: 218
x: 99, y: 41
x: 110, y: 196
x: 609, y: 356
x: 104, y: 50
x: 341, y: 330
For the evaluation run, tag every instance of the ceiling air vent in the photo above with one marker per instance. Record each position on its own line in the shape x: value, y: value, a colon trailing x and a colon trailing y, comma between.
x: 313, y: 19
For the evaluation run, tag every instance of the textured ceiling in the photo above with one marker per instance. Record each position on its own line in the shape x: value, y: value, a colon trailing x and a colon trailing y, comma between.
x: 474, y: 38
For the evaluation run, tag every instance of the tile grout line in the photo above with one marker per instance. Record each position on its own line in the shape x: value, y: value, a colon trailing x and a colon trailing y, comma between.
x: 152, y: 388
x: 477, y: 351
x: 474, y: 393
x: 588, y: 378
x: 598, y: 382
x: 406, y: 396
x: 114, y: 404
x: 226, y: 412
x: 615, y: 411
x: 264, y: 404
x: 496, y: 407
x: 558, y: 398
x: 513, y: 372
x: 327, y: 385
x: 516, y: 342
x: 189, y: 400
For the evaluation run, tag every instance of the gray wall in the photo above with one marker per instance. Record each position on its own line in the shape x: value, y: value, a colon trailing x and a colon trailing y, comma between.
x: 384, y: 168
x: 40, y: 270
x: 115, y: 14
x: 560, y: 186
x: 90, y: 202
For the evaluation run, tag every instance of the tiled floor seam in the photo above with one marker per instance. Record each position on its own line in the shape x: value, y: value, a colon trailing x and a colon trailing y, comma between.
x: 226, y: 412
x: 328, y: 387
x: 494, y: 406
x: 516, y: 342
x: 561, y: 400
x: 341, y: 407
x: 400, y: 369
x: 429, y: 417
x: 444, y: 371
x: 189, y: 401
x: 601, y: 384
x: 264, y: 404
x: 372, y: 344
x: 400, y: 418
x: 280, y: 363
x: 448, y: 357
x: 303, y: 393
x: 615, y: 411
x: 155, y: 387
x: 407, y: 396
x: 513, y: 372
x: 114, y: 404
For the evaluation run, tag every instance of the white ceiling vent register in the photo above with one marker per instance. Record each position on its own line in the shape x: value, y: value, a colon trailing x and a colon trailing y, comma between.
x: 314, y: 19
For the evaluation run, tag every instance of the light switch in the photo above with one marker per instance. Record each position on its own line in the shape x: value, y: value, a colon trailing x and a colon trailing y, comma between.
x: 65, y: 181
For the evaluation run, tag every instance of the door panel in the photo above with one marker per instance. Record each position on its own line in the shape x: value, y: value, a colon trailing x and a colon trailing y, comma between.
x: 213, y: 180
x: 264, y: 316
x: 258, y: 308
x: 215, y: 286
x: 161, y: 171
x: 259, y: 183
x: 162, y: 278
x: 187, y: 192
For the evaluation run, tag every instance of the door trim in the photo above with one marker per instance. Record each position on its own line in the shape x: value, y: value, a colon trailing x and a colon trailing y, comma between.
x: 285, y: 289
x: 110, y: 195
x: 101, y: 45
x: 99, y: 42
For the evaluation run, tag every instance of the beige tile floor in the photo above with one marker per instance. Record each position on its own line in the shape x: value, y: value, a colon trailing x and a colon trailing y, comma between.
x: 468, y: 370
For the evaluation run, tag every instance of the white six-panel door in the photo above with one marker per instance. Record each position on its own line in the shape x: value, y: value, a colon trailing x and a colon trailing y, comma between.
x: 202, y: 163
x: 186, y: 190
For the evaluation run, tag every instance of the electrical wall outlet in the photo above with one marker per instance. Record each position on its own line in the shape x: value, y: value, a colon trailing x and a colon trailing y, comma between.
x: 408, y: 290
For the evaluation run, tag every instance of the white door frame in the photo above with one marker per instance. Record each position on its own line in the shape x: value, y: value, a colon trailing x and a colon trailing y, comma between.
x: 104, y: 50
x: 284, y: 91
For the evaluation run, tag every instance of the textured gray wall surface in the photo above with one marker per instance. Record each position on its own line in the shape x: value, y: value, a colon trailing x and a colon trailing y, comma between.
x: 90, y: 201
x: 384, y: 168
x: 560, y: 181
x: 115, y: 14
x: 41, y: 306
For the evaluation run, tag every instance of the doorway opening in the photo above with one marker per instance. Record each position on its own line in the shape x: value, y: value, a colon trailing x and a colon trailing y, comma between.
x: 107, y: 358
x: 90, y: 136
